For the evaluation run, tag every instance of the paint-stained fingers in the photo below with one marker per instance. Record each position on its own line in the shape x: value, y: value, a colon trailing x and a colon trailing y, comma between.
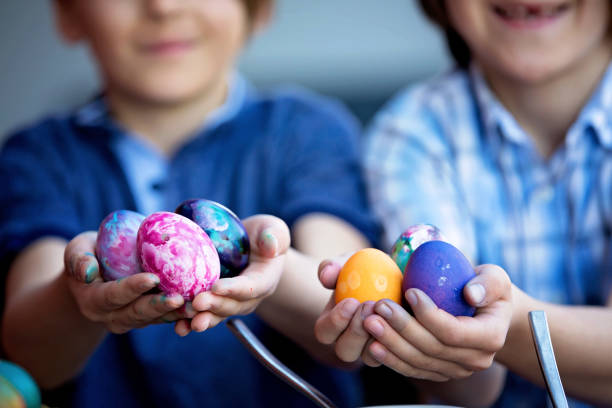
x: 80, y: 262
x: 269, y: 235
x: 114, y: 295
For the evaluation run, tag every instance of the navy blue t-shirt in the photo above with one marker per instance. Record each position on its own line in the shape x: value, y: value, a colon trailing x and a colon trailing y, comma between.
x: 286, y: 154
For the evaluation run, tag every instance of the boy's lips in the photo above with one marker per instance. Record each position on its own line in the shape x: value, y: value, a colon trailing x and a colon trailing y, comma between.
x: 530, y: 15
x: 168, y: 47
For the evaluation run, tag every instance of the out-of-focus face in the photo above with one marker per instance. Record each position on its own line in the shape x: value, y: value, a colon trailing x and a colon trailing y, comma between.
x: 159, y: 51
x: 531, y: 40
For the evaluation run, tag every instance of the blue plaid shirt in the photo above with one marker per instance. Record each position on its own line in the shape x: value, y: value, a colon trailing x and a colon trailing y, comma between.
x: 448, y: 153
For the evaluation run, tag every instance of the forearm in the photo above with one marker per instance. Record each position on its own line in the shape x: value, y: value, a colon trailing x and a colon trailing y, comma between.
x: 581, y: 340
x: 42, y: 328
x: 490, y: 382
x: 296, y: 304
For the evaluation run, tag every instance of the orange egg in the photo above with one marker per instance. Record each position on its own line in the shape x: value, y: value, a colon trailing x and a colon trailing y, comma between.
x: 369, y: 274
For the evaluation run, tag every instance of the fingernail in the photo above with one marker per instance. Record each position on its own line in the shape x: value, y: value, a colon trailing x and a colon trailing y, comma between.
x: 348, y: 308
x: 383, y: 310
x: 154, y: 279
x: 378, y: 352
x: 367, y: 308
x: 425, y: 301
x: 146, y: 285
x: 188, y: 309
x: 477, y: 292
x: 174, y: 300
x: 91, y: 272
x: 268, y: 242
x: 411, y: 298
x: 376, y: 328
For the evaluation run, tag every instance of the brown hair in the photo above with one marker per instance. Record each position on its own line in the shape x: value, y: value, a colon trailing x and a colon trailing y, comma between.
x: 436, y: 11
x: 253, y: 6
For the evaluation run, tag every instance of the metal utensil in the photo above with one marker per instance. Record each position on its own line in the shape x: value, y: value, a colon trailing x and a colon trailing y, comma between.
x: 546, y: 358
x: 261, y: 353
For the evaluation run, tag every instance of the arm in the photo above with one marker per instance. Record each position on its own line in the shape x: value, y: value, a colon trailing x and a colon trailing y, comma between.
x: 57, y: 313
x: 286, y: 294
x: 300, y: 295
x: 581, y: 337
x: 432, y: 346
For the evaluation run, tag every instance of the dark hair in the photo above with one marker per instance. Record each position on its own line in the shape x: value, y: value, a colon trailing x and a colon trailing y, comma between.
x: 252, y: 6
x: 436, y: 11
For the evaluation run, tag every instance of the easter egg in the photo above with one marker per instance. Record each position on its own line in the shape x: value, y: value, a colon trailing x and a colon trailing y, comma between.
x: 116, y: 244
x: 224, y: 229
x: 441, y: 271
x: 178, y: 251
x: 411, y: 239
x: 17, y: 387
x: 369, y: 274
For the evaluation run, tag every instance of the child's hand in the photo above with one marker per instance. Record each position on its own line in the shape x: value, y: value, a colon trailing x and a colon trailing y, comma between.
x: 119, y: 305
x: 342, y: 324
x: 270, y: 240
x: 435, y: 345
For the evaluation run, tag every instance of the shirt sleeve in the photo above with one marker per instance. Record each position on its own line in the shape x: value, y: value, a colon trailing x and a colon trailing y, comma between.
x: 34, y: 197
x: 411, y: 177
x: 321, y: 167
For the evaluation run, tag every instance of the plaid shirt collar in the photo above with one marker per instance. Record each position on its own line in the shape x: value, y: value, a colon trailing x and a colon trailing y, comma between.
x: 501, y: 126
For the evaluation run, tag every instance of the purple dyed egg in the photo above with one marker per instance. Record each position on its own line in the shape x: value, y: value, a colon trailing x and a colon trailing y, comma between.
x: 116, y: 244
x: 178, y: 251
x: 441, y: 271
x: 224, y: 229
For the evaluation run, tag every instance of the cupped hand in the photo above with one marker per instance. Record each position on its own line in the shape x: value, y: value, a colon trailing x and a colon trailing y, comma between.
x: 436, y: 345
x: 240, y: 295
x: 120, y: 305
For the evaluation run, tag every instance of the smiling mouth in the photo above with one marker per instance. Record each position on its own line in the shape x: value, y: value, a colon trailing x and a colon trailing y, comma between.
x: 525, y: 14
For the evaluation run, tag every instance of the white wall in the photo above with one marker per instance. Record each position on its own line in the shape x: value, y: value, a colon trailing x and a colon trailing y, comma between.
x: 354, y: 49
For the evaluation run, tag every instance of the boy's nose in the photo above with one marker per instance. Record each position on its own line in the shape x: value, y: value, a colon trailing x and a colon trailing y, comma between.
x: 163, y: 7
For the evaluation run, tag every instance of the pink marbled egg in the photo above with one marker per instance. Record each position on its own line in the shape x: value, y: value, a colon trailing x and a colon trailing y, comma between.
x: 178, y: 251
x: 116, y: 244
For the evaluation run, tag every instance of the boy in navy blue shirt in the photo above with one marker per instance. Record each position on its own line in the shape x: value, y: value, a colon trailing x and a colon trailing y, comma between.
x: 175, y: 121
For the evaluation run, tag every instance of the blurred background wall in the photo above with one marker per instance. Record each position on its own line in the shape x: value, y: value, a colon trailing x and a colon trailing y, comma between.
x: 361, y: 51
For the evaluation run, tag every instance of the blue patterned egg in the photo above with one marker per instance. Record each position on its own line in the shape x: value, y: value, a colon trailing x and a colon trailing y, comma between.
x: 411, y: 239
x: 224, y: 229
x: 116, y: 244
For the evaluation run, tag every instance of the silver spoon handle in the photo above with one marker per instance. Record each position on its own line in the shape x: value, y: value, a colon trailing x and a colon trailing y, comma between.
x: 261, y: 353
x: 546, y: 358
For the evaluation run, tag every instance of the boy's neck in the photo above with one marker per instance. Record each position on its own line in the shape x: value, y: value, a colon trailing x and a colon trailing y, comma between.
x: 546, y: 110
x: 165, y: 126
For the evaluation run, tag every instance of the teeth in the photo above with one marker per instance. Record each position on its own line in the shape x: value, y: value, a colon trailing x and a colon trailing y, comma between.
x: 521, y: 11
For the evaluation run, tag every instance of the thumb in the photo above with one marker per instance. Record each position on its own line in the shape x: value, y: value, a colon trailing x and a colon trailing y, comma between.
x: 490, y: 284
x: 329, y: 270
x: 269, y: 236
x: 80, y: 262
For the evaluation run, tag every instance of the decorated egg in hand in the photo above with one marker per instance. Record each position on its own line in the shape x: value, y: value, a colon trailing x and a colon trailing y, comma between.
x: 224, y: 229
x: 17, y: 387
x: 441, y: 271
x: 369, y: 274
x: 116, y: 244
x: 411, y: 239
x: 178, y: 251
